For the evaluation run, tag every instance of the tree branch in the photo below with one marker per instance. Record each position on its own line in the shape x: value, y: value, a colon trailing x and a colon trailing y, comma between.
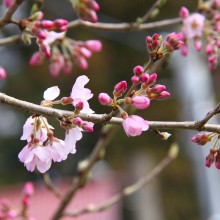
x: 106, y: 26
x: 6, y: 18
x: 129, y: 190
x: 101, y: 118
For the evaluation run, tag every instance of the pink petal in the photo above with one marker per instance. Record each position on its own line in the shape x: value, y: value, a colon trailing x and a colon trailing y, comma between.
x: 51, y: 93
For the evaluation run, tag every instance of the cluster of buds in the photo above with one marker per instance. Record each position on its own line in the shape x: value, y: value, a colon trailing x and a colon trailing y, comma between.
x: 67, y: 52
x: 3, y: 73
x: 214, y: 154
x: 28, y: 191
x: 158, y: 48
x: 43, y: 147
x: 207, y: 23
x: 44, y: 31
x: 139, y: 98
x: 86, y: 9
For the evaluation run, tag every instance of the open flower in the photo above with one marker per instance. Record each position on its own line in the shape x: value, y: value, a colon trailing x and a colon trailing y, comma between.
x: 81, y: 94
x: 134, y: 125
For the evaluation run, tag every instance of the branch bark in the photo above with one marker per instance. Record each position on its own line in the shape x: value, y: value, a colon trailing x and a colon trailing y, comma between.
x: 101, y: 118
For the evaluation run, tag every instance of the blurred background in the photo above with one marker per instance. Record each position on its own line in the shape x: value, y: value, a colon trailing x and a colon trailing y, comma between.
x: 173, y: 195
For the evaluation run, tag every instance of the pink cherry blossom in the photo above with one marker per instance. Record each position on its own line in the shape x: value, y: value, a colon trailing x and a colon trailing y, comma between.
x: 134, y: 125
x: 28, y: 130
x: 36, y: 157
x: 81, y: 94
x: 51, y: 93
x: 193, y: 25
x: 72, y: 136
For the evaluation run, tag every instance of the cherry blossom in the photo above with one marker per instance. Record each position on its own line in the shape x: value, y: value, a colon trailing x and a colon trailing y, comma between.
x: 51, y: 93
x: 81, y: 94
x: 134, y: 125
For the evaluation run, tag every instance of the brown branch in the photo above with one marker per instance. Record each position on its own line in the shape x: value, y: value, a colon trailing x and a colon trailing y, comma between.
x: 135, y: 26
x: 201, y: 123
x: 9, y: 40
x: 6, y: 18
x: 101, y: 118
x: 49, y: 184
x: 124, y: 26
x: 129, y: 189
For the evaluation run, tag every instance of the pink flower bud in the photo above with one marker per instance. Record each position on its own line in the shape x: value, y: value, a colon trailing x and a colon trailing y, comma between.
x: 198, y: 44
x: 163, y: 95
x: 79, y: 105
x: 217, y: 159
x: 60, y: 22
x: 140, y: 102
x: 148, y: 39
x: 209, y: 49
x: 77, y: 121
x: 28, y: 189
x: 184, y: 12
x: 121, y: 87
x: 36, y: 59
x: 145, y: 77
x: 104, y: 99
x: 210, y: 158
x: 88, y: 126
x: 152, y: 79
x: 85, y: 52
x: 135, y: 79
x: 8, y: 3
x: 45, y: 48
x: 3, y: 74
x: 82, y: 63
x: 184, y: 50
x: 138, y: 70
x: 47, y: 24
x: 94, y: 45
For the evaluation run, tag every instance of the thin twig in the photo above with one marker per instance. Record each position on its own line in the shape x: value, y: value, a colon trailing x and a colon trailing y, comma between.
x: 6, y: 18
x: 101, y: 118
x: 124, y: 26
x: 108, y: 26
x: 9, y: 40
x: 49, y: 184
x: 149, y: 12
x: 129, y: 190
x: 210, y: 114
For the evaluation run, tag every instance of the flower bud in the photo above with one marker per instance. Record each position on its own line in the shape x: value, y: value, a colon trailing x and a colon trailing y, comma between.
x: 104, y: 99
x: 121, y: 87
x: 138, y: 70
x: 3, y: 74
x: 94, y: 45
x: 140, y: 102
x: 184, y: 12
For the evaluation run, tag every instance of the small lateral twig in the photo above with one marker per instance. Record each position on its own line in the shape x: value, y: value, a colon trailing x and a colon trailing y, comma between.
x: 6, y: 18
x: 129, y: 190
x: 49, y: 184
x: 201, y: 123
x: 124, y: 26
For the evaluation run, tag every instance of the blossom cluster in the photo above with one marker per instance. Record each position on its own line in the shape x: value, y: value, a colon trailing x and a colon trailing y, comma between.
x: 139, y: 98
x: 45, y: 31
x: 42, y: 146
x: 66, y: 52
x: 205, y: 23
x: 157, y: 48
x: 214, y: 154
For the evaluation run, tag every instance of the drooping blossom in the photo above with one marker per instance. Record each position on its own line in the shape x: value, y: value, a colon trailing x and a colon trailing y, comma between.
x: 8, y: 3
x: 134, y: 125
x: 36, y: 157
x: 81, y: 94
x: 3, y: 73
